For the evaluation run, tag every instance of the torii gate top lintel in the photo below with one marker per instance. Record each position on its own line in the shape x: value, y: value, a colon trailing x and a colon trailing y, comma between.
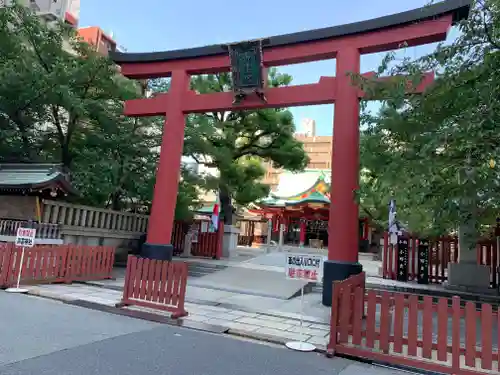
x: 430, y: 25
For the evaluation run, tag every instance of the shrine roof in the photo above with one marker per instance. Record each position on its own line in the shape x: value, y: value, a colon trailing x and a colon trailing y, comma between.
x: 31, y: 176
x: 458, y: 8
x: 310, y: 186
x: 293, y: 185
x: 314, y: 197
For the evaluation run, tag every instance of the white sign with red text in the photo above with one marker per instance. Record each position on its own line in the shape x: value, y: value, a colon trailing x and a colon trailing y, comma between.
x: 305, y: 267
x: 25, y: 237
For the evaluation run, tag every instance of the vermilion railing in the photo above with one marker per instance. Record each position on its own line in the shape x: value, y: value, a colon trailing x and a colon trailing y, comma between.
x: 53, y: 264
x: 441, y: 252
x: 400, y: 329
x: 205, y: 243
x: 156, y: 284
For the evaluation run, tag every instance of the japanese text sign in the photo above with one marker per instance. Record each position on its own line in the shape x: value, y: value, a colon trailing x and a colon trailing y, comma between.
x: 304, y: 267
x: 25, y: 237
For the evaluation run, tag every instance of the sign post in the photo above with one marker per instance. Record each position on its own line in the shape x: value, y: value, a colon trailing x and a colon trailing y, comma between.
x: 25, y: 237
x: 305, y: 267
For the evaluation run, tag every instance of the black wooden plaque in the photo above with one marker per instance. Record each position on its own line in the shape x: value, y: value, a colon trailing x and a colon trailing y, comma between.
x: 402, y: 260
x: 423, y: 262
x: 246, y: 65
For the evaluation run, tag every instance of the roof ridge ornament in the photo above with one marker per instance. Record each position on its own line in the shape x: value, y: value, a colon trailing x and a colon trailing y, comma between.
x: 247, y: 69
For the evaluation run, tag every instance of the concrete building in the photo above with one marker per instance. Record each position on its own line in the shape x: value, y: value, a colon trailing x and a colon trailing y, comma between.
x: 318, y: 148
x: 96, y: 37
x: 307, y: 127
x: 51, y: 10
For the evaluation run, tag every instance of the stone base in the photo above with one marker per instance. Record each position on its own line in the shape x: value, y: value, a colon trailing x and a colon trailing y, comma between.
x: 158, y: 252
x: 230, y: 240
x: 333, y: 271
x: 469, y: 277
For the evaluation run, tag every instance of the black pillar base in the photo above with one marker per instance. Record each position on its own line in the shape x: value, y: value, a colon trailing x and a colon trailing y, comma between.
x: 334, y: 270
x: 158, y: 252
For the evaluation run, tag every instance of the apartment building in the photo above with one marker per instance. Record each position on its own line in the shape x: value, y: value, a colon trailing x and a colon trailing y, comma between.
x: 96, y: 37
x: 318, y: 148
x: 51, y: 10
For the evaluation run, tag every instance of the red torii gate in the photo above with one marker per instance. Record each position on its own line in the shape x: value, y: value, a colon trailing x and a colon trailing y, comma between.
x: 344, y: 43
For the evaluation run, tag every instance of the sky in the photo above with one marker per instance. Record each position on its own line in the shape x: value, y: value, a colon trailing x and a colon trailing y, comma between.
x: 158, y: 25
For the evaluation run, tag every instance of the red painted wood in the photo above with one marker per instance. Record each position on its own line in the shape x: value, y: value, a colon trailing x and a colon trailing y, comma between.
x: 498, y: 337
x: 385, y: 322
x: 161, y: 218
x: 170, y: 283
x: 486, y: 336
x: 151, y: 279
x: 334, y: 316
x: 412, y: 325
x: 145, y: 278
x: 358, y: 309
x: 175, y: 286
x: 158, y: 282
x: 129, y: 276
x: 442, y: 334
x: 399, y: 313
x: 427, y: 327
x: 423, y: 360
x: 392, y: 253
x: 138, y: 277
x: 424, y: 32
x: 163, y: 286
x: 370, y: 318
x: 345, y: 313
x: 150, y: 283
x: 179, y: 100
x: 455, y: 333
x: 470, y: 334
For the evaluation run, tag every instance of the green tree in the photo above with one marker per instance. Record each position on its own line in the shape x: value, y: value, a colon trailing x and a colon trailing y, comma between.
x: 61, y: 102
x: 432, y: 152
x: 237, y: 143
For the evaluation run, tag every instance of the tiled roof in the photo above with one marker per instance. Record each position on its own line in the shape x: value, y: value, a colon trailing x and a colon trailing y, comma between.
x: 28, y: 176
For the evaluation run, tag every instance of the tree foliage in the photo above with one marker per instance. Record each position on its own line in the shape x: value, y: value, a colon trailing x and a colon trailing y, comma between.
x: 434, y: 153
x: 237, y: 143
x: 62, y: 102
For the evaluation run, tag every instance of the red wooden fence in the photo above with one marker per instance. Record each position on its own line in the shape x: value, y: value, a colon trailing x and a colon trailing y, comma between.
x: 204, y: 244
x: 156, y: 284
x: 52, y: 264
x: 441, y: 252
x: 85, y: 263
x: 401, y: 330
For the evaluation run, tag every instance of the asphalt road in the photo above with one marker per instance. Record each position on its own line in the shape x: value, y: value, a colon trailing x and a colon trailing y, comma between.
x: 44, y: 337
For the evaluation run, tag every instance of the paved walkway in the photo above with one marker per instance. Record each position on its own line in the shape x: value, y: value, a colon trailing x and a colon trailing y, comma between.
x: 282, y: 326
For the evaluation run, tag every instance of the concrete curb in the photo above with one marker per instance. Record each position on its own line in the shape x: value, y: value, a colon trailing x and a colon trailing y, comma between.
x: 268, y: 338
x: 49, y: 295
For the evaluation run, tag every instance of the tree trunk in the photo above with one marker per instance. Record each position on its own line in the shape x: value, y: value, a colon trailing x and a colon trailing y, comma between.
x: 227, y: 207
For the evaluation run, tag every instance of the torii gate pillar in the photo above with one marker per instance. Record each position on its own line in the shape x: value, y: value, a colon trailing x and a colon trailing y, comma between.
x: 343, y: 222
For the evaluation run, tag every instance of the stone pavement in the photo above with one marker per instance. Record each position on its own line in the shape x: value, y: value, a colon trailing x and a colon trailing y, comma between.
x: 279, y: 326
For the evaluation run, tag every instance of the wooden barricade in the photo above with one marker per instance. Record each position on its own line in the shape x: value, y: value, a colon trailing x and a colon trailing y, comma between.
x: 55, y: 264
x: 400, y: 329
x: 156, y: 284
x: 5, y: 255
x: 85, y: 263
x: 41, y: 265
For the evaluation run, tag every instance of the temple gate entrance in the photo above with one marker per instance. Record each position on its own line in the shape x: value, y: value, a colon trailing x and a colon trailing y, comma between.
x: 249, y: 61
